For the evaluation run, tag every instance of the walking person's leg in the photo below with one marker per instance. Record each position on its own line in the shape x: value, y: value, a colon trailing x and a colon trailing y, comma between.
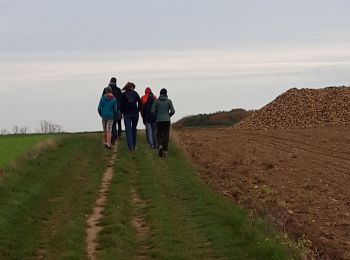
x: 166, y: 132
x: 135, y: 120
x: 119, y: 127
x: 114, y: 131
x: 149, y: 133
x: 160, y: 137
x: 128, y: 132
x: 109, y: 126
x: 104, y: 125
x: 158, y: 134
x: 153, y: 128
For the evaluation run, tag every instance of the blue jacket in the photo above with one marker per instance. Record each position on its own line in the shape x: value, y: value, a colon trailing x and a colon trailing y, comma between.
x: 107, y: 108
x: 117, y: 93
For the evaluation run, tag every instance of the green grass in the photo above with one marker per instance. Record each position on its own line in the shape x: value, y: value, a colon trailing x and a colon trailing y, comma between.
x: 44, y: 202
x: 13, y: 146
x: 187, y: 220
x: 117, y: 237
x: 46, y: 199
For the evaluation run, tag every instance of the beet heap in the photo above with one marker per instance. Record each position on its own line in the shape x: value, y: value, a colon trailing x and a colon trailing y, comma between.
x: 303, y: 108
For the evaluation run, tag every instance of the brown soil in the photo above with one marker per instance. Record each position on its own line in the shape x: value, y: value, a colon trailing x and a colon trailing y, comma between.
x: 299, y: 178
x: 93, y: 227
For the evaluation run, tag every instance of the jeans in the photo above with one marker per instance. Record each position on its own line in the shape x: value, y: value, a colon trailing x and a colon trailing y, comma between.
x: 163, y: 130
x: 130, y: 122
x: 151, y: 133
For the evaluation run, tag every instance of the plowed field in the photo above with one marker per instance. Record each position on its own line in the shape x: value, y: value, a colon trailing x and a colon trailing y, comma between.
x: 299, y: 178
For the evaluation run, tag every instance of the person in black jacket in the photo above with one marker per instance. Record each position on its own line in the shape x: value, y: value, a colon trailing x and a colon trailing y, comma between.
x: 117, y: 93
x: 130, y: 107
x: 149, y: 120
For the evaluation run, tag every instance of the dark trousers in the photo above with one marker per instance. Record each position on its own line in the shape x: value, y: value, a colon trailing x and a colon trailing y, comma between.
x: 119, y: 128
x: 163, y: 130
x: 116, y: 132
x: 130, y: 122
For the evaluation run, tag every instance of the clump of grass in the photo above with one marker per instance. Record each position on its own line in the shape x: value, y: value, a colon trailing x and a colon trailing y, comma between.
x: 14, y: 146
x: 31, y: 152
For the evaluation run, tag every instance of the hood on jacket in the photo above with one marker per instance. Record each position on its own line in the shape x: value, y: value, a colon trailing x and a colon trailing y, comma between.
x: 108, y: 96
x: 163, y: 97
x: 148, y: 90
x: 150, y: 98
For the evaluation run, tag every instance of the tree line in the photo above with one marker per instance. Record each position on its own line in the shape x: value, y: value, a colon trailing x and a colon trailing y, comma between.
x: 45, y: 127
x: 220, y: 118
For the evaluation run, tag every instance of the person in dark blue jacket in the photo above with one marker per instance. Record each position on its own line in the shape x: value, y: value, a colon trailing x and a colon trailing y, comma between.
x: 107, y: 109
x: 130, y: 106
x: 149, y: 120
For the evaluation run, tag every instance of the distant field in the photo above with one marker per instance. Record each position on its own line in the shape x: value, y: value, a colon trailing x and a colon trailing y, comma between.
x: 13, y: 146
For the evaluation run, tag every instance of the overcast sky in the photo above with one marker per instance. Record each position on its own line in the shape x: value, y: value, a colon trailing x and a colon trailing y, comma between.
x: 57, y: 56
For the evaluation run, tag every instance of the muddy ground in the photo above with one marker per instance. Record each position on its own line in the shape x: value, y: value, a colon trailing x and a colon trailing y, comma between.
x: 298, y: 178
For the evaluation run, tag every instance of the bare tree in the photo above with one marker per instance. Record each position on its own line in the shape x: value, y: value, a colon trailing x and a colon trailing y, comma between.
x: 15, y: 129
x: 24, y: 130
x: 4, y: 131
x: 58, y: 128
x: 43, y: 126
x: 49, y: 127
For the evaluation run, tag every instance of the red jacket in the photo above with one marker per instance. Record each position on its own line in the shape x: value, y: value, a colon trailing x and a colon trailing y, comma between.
x: 145, y: 96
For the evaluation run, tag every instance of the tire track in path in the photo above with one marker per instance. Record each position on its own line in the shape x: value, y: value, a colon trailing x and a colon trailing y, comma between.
x: 139, y: 224
x: 92, y: 223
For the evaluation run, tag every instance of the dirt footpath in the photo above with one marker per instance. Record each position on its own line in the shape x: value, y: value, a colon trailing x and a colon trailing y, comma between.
x: 299, y: 178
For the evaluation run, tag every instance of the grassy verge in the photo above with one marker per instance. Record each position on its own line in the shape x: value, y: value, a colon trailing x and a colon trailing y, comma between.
x: 13, y: 146
x: 44, y: 203
x: 187, y: 220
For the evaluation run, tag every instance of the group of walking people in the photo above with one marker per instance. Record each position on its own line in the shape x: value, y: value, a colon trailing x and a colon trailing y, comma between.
x: 117, y: 104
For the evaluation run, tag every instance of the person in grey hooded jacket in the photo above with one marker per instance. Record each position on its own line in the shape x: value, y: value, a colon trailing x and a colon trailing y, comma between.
x: 163, y: 109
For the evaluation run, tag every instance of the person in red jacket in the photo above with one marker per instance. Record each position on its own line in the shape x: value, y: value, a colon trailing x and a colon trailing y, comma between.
x: 145, y: 96
x: 144, y: 99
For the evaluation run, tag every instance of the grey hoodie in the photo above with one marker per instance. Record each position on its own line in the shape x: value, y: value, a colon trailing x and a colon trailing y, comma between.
x: 163, y: 109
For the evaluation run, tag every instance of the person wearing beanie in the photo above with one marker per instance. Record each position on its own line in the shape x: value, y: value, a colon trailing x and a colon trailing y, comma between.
x: 107, y: 109
x: 130, y: 107
x: 116, y: 132
x: 163, y: 109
